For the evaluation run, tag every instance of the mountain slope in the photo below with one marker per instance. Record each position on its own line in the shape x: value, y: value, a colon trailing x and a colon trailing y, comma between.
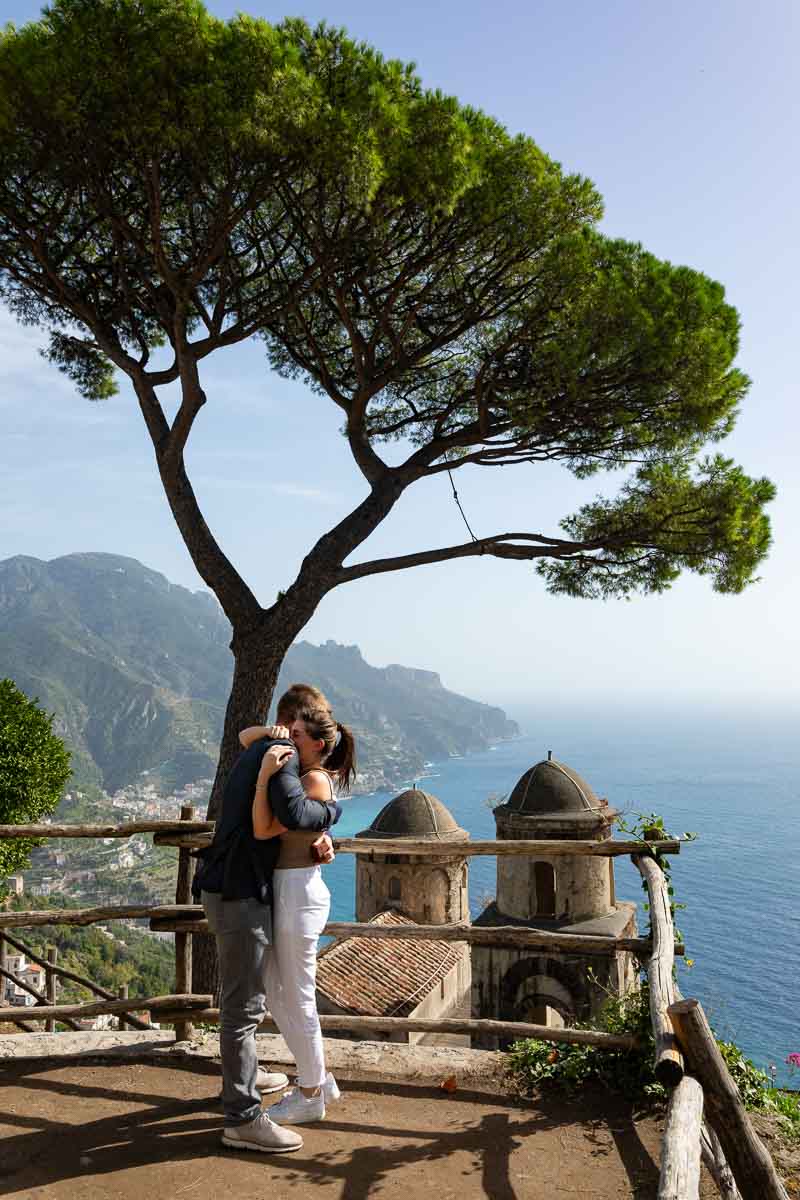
x: 137, y: 671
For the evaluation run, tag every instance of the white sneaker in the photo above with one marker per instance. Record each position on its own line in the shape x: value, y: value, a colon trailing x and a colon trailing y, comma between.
x: 297, y: 1109
x: 271, y: 1081
x: 261, y: 1134
x: 330, y: 1090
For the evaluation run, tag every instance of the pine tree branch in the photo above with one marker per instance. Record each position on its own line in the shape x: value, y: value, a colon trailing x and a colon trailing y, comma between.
x: 501, y: 545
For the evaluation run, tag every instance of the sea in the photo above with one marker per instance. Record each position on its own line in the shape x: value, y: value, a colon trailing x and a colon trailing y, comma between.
x: 732, y: 777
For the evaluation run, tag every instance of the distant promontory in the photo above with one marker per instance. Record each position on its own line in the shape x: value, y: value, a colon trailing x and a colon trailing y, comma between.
x: 137, y: 671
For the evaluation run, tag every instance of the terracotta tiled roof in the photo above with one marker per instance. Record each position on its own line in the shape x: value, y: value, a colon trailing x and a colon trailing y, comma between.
x: 386, y: 977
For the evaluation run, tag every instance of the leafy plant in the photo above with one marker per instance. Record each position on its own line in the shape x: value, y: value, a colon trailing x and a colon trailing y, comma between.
x: 535, y: 1063
x: 756, y: 1090
x: 648, y: 829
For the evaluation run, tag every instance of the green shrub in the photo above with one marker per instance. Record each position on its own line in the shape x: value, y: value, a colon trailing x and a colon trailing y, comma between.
x: 756, y: 1090
x: 536, y: 1064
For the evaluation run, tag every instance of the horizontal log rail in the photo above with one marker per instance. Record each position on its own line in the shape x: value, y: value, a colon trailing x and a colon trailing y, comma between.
x: 99, y: 1008
x: 185, y: 833
x: 495, y: 935
x: 89, y: 916
x: 127, y: 829
x: 390, y: 1025
x: 540, y: 847
x: 668, y: 1059
x: 190, y: 918
x: 471, y: 849
x: 72, y: 976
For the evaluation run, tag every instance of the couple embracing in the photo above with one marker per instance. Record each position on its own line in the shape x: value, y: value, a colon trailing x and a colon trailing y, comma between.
x: 262, y: 890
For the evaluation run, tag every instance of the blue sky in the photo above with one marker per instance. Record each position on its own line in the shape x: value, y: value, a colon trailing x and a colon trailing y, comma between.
x: 686, y: 118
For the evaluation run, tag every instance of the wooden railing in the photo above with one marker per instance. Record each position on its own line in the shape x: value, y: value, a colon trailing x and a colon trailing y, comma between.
x: 705, y: 1115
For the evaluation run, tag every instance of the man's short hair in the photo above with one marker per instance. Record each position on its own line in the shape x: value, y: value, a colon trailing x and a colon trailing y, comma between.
x: 297, y: 697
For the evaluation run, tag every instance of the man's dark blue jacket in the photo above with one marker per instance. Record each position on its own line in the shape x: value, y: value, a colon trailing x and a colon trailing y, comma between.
x: 237, y: 864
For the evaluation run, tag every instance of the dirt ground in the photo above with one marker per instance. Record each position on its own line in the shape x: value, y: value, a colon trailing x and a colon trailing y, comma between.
x: 133, y: 1131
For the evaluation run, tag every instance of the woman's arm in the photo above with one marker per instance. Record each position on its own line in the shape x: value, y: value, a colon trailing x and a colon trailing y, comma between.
x: 265, y: 825
x: 254, y: 733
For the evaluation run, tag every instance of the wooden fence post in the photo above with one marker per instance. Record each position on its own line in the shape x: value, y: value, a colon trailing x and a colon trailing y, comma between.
x: 51, y: 984
x: 752, y: 1166
x: 122, y: 992
x: 184, y: 1030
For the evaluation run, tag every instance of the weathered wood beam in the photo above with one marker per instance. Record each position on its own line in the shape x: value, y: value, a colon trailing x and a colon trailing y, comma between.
x: 184, y: 1030
x: 502, y: 1029
x: 91, y: 916
x: 750, y: 1162
x: 52, y: 984
x: 101, y: 831
x: 680, y: 1144
x: 469, y: 849
x: 496, y: 935
x: 98, y: 1008
x: 668, y: 1060
x: 123, y: 995
x: 459, y: 849
x: 190, y: 918
x: 717, y: 1165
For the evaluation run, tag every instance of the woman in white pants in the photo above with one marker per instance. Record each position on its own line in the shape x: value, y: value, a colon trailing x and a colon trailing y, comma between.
x: 301, y: 904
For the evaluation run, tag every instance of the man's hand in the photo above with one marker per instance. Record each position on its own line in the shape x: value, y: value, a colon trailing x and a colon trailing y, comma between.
x: 322, y: 849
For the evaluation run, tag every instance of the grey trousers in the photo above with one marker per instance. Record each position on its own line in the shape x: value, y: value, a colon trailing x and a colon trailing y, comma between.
x: 243, y: 930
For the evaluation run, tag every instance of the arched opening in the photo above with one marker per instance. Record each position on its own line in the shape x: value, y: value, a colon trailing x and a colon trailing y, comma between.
x: 544, y: 877
x: 538, y: 1012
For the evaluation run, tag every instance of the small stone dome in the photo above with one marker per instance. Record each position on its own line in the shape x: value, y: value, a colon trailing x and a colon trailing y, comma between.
x: 414, y: 814
x: 550, y: 788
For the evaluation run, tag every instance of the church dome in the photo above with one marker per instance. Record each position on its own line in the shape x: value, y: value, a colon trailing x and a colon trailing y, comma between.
x: 550, y: 788
x: 414, y: 814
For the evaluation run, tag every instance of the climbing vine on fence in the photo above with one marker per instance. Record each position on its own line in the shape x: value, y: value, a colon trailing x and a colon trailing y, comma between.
x: 649, y: 828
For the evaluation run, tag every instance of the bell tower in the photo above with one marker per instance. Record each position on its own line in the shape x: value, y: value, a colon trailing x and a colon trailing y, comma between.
x: 565, y: 893
x: 431, y: 891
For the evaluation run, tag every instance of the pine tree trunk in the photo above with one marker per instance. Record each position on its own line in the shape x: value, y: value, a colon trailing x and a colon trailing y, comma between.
x: 258, y: 656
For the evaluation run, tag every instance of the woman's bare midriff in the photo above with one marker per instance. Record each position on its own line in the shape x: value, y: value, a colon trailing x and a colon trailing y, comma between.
x: 296, y: 850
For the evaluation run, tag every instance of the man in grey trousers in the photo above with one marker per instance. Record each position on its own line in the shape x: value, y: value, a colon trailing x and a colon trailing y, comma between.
x: 234, y: 884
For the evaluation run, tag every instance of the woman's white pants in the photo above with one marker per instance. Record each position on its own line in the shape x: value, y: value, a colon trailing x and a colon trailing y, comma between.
x: 301, y: 903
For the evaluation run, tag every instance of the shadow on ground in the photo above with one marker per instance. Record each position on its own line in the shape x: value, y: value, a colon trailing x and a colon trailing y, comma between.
x: 133, y: 1131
